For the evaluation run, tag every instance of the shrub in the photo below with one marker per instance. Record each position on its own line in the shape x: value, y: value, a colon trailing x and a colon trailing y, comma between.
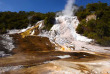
x: 98, y: 29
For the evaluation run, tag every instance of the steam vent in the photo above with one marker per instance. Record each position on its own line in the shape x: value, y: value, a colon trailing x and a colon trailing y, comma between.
x: 75, y: 40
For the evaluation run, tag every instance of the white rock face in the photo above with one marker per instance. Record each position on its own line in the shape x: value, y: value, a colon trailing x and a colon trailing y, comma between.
x: 14, y: 31
x: 4, y: 69
x: 32, y: 32
x: 64, y: 31
x: 7, y: 42
x: 64, y: 56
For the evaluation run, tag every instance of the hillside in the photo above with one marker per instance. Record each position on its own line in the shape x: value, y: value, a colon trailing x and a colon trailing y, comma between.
x: 96, y: 26
x: 13, y: 20
x: 38, y: 43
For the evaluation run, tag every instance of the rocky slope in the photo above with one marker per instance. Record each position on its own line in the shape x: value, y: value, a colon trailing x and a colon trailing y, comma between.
x: 37, y: 55
x: 58, y: 51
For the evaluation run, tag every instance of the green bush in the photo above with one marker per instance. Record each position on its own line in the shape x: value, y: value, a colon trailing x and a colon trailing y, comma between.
x: 14, y: 20
x: 105, y: 41
x: 82, y: 15
x: 49, y: 20
x: 81, y: 27
x: 98, y: 29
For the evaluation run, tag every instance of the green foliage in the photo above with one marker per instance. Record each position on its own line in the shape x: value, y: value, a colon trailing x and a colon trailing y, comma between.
x: 96, y: 6
x: 81, y: 27
x: 14, y: 20
x: 37, y: 17
x: 49, y: 20
x: 105, y: 41
x: 82, y: 13
x: 98, y: 29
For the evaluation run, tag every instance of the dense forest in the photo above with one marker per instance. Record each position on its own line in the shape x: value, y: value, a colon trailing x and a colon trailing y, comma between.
x: 99, y: 28
x: 13, y: 20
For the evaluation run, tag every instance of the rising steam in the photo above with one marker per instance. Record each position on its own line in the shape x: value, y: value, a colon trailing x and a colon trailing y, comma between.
x: 69, y: 8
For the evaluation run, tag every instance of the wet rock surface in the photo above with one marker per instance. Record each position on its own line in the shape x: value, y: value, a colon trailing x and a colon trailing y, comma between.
x: 49, y: 63
x: 37, y: 55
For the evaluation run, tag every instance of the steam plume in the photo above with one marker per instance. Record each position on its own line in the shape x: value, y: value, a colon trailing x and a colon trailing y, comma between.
x: 69, y: 8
